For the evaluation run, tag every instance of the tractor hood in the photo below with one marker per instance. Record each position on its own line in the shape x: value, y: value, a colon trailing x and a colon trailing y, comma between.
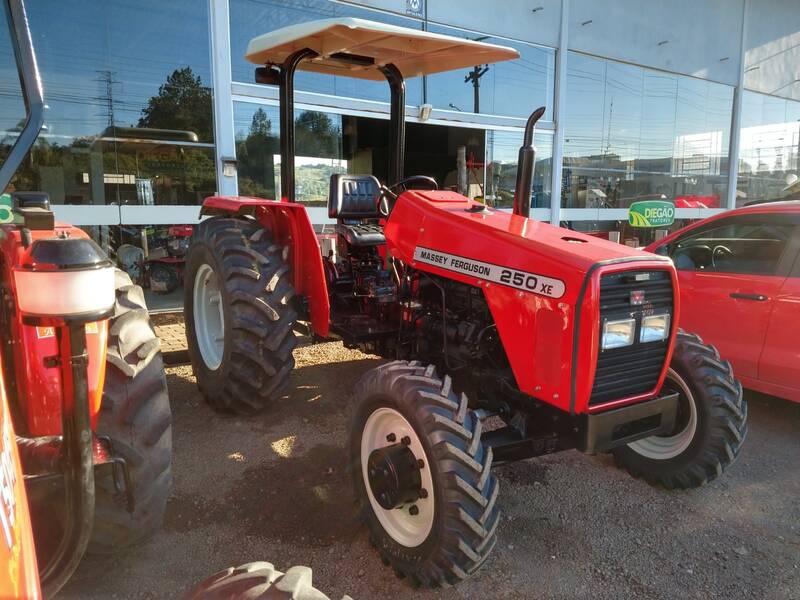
x: 542, y: 283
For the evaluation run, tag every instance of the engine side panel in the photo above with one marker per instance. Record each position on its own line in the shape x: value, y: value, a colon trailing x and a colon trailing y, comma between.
x: 532, y: 276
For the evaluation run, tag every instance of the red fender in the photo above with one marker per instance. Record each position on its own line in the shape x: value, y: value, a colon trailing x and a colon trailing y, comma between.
x: 291, y: 226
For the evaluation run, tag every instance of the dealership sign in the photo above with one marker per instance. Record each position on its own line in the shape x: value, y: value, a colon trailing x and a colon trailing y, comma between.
x: 651, y: 213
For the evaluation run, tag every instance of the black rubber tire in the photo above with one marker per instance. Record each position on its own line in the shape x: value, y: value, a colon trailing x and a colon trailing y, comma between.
x: 257, y: 580
x: 465, y: 490
x: 721, y: 421
x: 135, y: 414
x: 258, y: 314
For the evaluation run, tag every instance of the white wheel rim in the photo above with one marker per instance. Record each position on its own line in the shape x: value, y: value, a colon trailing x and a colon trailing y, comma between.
x: 665, y: 447
x: 209, y: 316
x: 404, y: 528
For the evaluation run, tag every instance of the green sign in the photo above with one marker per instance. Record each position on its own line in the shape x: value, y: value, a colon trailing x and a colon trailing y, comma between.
x: 651, y: 213
x: 6, y: 215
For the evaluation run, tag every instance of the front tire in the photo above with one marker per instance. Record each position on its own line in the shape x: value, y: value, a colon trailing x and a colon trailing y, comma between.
x: 449, y: 531
x: 239, y: 315
x: 710, y: 427
x: 135, y: 414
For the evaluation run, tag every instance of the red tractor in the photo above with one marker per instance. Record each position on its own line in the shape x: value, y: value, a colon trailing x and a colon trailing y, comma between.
x: 568, y: 341
x: 83, y: 371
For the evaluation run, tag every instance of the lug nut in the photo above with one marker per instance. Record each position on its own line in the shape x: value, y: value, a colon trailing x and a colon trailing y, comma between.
x: 423, y: 493
x: 391, y: 437
x: 420, y: 463
x: 413, y: 511
x: 406, y: 440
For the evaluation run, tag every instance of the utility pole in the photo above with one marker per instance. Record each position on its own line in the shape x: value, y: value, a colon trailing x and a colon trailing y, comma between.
x: 474, y: 76
x: 107, y: 77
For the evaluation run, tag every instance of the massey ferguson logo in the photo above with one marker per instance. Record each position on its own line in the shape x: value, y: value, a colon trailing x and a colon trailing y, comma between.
x: 522, y: 280
x: 637, y: 297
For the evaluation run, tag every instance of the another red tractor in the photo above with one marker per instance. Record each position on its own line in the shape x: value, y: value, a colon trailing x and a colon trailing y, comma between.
x: 570, y: 341
x: 83, y: 371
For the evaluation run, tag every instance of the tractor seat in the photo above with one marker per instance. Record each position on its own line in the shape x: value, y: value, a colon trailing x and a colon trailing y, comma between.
x: 353, y: 202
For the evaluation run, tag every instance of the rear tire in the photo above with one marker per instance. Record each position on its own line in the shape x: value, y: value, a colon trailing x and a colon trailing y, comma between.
x: 242, y: 356
x: 461, y: 507
x: 257, y: 580
x: 135, y: 414
x: 710, y: 427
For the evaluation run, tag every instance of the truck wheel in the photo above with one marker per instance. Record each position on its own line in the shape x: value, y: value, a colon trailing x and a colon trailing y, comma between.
x: 239, y: 316
x: 135, y: 414
x: 258, y: 580
x: 422, y: 476
x: 710, y: 427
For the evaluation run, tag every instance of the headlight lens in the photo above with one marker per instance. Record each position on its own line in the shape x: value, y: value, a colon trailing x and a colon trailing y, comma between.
x: 619, y: 333
x: 655, y: 328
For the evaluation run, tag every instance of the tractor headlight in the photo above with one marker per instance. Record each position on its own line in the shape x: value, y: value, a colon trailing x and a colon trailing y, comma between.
x: 618, y: 333
x: 655, y: 328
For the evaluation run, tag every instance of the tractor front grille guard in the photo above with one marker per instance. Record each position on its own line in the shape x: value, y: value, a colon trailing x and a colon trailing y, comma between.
x: 635, y: 369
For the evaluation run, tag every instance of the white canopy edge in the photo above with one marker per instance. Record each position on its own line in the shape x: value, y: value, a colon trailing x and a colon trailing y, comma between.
x: 412, y: 51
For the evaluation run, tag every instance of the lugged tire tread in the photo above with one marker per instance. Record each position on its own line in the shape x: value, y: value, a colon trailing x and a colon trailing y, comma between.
x: 699, y: 363
x: 258, y: 581
x: 468, y: 488
x: 135, y: 414
x: 256, y: 282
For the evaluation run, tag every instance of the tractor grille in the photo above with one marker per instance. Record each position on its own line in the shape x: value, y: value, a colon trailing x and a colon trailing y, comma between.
x: 632, y: 370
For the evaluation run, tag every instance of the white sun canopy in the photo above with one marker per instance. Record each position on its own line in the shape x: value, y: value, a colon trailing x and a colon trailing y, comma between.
x: 413, y: 52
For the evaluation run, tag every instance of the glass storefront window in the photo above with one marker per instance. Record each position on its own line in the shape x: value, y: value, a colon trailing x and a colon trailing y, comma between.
x: 251, y: 18
x: 637, y: 134
x: 511, y: 89
x: 12, y: 107
x: 318, y: 152
x: 502, y: 153
x: 769, y: 149
x: 130, y: 107
x: 623, y: 233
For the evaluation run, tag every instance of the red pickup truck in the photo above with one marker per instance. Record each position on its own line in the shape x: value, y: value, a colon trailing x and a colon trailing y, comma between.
x: 739, y: 275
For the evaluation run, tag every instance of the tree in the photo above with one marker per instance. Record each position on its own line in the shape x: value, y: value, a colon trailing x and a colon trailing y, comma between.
x: 183, y: 103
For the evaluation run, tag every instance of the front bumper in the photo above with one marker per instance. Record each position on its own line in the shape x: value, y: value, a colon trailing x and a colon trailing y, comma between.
x: 603, y: 431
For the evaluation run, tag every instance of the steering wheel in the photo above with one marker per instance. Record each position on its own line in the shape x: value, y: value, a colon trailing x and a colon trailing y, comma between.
x: 720, y: 251
x: 388, y: 194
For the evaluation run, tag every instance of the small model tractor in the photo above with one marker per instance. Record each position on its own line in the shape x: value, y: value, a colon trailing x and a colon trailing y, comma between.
x: 83, y: 372
x: 568, y: 341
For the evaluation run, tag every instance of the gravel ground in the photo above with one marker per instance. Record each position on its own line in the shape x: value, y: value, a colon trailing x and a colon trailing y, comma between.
x: 275, y: 488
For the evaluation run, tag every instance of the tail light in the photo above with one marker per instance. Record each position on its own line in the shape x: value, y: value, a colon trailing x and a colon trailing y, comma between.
x: 65, y: 277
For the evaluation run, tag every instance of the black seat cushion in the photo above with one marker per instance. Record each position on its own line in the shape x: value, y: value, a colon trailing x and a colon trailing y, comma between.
x: 362, y: 234
x: 353, y: 197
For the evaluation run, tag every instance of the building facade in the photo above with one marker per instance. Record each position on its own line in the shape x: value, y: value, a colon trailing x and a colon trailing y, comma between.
x: 152, y: 107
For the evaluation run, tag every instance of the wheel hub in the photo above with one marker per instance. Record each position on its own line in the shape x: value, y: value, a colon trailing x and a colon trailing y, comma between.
x: 394, y: 476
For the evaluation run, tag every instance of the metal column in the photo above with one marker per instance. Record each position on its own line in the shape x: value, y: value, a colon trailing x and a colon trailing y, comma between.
x: 558, y: 115
x: 223, y: 103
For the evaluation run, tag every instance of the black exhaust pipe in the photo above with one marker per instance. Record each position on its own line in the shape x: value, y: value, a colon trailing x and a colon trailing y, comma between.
x: 522, y: 191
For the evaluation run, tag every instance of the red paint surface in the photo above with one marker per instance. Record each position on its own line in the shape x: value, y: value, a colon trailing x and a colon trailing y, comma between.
x: 289, y: 223
x: 38, y: 387
x: 761, y: 339
x: 536, y: 330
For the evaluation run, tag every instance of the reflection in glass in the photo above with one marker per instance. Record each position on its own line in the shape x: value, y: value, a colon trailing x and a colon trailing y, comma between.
x: 769, y: 154
x: 514, y: 88
x: 318, y: 149
x: 130, y: 111
x: 636, y: 134
x: 502, y: 153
